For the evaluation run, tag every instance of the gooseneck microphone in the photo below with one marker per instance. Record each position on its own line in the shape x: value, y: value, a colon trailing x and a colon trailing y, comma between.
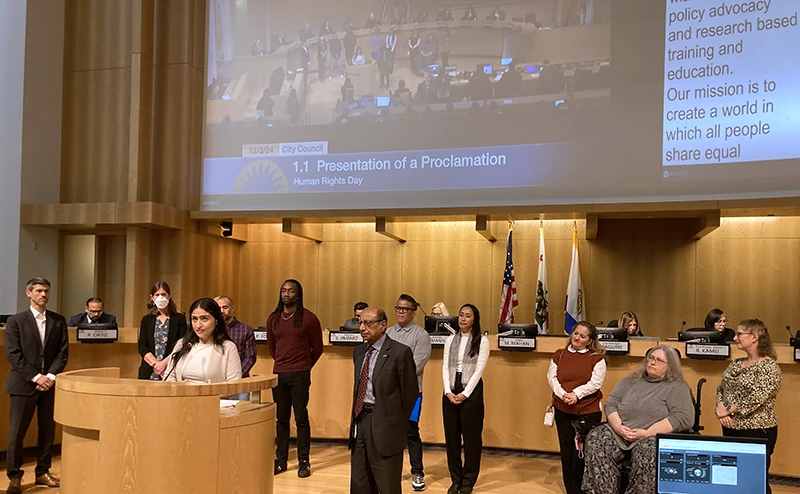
x: 683, y: 325
x: 600, y: 323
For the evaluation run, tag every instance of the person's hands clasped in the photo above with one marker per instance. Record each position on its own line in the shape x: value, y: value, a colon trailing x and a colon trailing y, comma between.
x: 44, y: 383
x: 452, y: 398
x: 721, y: 412
x: 460, y: 398
x: 570, y: 398
x: 726, y: 422
x: 160, y: 367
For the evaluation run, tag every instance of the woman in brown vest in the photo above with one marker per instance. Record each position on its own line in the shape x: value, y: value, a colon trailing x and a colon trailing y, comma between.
x: 576, y: 374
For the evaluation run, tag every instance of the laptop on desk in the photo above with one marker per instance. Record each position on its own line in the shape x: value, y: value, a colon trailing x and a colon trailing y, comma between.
x: 694, y: 464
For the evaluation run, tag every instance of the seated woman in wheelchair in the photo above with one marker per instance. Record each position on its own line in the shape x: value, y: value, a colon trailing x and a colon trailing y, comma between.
x: 654, y: 399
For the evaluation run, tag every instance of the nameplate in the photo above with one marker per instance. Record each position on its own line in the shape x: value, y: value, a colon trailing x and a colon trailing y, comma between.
x: 516, y: 343
x: 797, y: 354
x: 616, y: 347
x: 508, y: 26
x: 437, y: 340
x: 344, y: 339
x: 441, y: 24
x: 465, y: 24
x: 488, y: 24
x: 707, y: 351
x: 397, y: 28
x: 261, y: 337
x: 89, y: 335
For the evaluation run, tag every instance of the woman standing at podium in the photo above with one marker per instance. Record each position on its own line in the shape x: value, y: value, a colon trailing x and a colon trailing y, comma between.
x: 464, y: 359
x: 576, y: 375
x: 206, y: 354
x: 748, y: 389
x: 158, y: 332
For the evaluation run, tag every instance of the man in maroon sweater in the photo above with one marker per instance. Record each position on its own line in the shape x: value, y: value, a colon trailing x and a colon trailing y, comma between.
x: 294, y: 337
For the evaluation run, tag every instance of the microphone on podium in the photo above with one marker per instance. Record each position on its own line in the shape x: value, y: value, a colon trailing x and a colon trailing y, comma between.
x: 683, y: 325
x: 449, y: 328
x: 600, y: 323
x: 789, y: 329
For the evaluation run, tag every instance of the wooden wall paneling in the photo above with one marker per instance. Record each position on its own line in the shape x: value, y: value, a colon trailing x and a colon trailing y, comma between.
x: 755, y: 277
x: 264, y: 264
x: 97, y: 35
x: 95, y: 135
x: 165, y: 264
x: 111, y: 274
x: 654, y: 279
x: 359, y: 265
x: 209, y: 267
x: 137, y: 253
x: 172, y: 128
x: 445, y: 261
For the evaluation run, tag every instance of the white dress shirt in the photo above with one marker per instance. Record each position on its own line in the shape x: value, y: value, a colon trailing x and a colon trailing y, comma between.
x: 41, y: 325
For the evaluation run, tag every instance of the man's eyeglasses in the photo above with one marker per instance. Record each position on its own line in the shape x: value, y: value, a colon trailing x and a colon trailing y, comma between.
x: 90, y: 311
x: 403, y: 310
x: 369, y: 324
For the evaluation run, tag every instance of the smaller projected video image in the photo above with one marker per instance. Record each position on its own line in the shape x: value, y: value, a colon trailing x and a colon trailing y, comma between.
x: 304, y: 62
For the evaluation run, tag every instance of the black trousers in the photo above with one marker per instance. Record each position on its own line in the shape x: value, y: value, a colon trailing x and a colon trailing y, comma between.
x: 464, y: 421
x: 22, y: 408
x: 770, y: 434
x: 371, y: 473
x: 414, y: 443
x: 571, y: 464
x: 292, y: 393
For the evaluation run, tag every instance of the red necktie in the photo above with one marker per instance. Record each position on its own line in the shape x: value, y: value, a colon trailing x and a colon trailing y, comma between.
x: 362, y: 383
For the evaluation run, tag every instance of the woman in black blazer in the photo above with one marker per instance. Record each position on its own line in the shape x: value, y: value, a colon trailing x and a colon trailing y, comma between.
x: 158, y: 332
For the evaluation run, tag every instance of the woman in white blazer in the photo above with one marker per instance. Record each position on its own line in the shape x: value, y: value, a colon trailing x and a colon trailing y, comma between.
x: 206, y: 354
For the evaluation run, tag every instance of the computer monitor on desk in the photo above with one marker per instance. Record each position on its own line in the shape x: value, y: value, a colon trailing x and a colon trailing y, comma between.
x: 702, y: 335
x: 615, y: 340
x: 517, y: 329
x: 694, y: 464
x: 441, y: 324
x: 4, y: 319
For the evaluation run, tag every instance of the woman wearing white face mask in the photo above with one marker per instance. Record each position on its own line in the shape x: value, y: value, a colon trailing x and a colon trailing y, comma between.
x: 158, y: 332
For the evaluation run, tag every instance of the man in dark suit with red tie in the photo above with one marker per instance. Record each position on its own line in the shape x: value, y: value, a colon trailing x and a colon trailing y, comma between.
x: 384, y: 393
x: 37, y: 347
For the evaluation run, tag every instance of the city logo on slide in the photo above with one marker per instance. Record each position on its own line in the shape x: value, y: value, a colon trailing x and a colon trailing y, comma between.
x: 261, y: 177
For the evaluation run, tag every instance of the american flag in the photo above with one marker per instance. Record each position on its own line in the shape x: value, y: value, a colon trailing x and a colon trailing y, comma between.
x: 508, y: 299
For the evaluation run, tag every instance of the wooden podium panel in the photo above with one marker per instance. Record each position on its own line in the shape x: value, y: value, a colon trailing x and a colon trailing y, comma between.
x: 126, y: 435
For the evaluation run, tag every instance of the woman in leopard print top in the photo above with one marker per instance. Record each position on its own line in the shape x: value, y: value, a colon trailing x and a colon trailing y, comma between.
x: 746, y: 395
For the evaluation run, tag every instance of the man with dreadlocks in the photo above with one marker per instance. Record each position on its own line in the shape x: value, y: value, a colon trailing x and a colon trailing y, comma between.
x: 294, y: 337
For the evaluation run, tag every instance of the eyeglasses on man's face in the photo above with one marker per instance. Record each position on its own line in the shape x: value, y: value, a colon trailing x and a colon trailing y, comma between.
x: 369, y: 324
x: 402, y: 309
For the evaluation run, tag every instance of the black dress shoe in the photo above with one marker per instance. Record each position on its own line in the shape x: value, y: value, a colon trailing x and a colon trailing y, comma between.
x: 48, y: 480
x: 303, y: 469
x: 14, y: 486
x: 453, y: 489
x: 466, y: 490
x: 279, y: 467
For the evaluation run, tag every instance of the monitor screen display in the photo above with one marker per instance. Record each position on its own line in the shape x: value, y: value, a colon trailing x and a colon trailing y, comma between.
x: 530, y: 69
x: 441, y: 324
x: 506, y: 60
x: 382, y: 101
x: 487, y: 69
x: 694, y: 464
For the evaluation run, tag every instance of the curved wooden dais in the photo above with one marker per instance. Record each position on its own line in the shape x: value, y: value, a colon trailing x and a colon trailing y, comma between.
x: 127, y: 435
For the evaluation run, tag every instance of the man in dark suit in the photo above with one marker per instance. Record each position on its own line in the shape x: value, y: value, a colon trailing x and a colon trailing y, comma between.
x: 37, y: 346
x: 384, y: 393
x: 93, y: 314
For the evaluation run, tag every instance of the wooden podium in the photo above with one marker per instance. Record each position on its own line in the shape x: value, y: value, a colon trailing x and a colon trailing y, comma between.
x: 136, y: 436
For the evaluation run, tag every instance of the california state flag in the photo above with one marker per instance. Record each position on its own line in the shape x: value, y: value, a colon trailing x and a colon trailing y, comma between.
x: 542, y: 304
